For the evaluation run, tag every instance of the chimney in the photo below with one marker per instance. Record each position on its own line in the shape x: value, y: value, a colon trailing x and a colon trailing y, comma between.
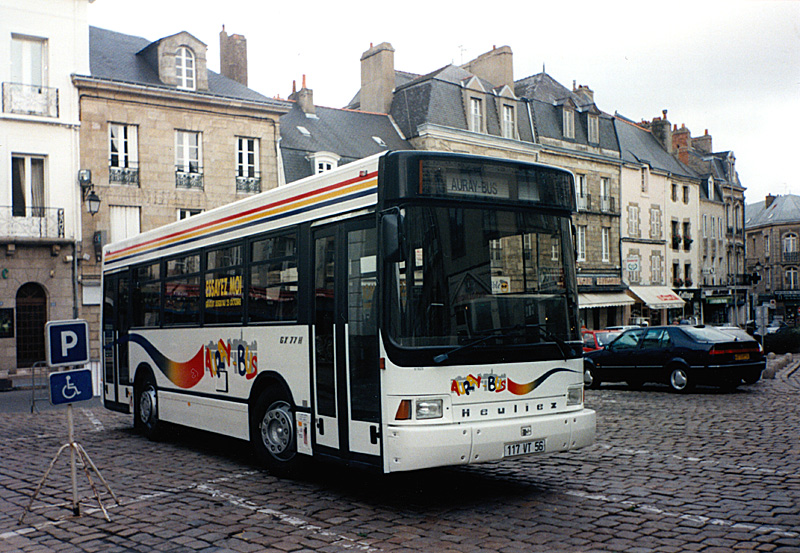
x: 682, y: 142
x: 662, y: 130
x: 703, y: 143
x: 495, y: 66
x: 377, y: 78
x: 768, y: 201
x: 304, y: 98
x: 233, y: 56
x: 584, y: 91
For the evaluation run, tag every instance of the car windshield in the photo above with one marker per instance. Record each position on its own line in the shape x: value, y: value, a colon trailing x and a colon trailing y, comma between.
x: 474, y: 273
x: 605, y: 338
x: 706, y: 334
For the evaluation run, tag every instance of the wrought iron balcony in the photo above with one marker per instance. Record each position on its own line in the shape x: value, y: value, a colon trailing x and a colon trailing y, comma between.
x: 31, y: 222
x: 791, y: 257
x: 192, y: 180
x: 607, y: 204
x: 250, y: 185
x: 28, y: 99
x: 128, y: 176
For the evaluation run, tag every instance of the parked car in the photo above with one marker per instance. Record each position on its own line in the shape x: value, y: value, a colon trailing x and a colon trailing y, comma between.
x: 620, y: 328
x: 680, y: 356
x: 597, y: 339
x: 785, y: 339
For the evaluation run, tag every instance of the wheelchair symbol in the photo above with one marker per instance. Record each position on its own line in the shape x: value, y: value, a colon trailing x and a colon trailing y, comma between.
x: 69, y: 391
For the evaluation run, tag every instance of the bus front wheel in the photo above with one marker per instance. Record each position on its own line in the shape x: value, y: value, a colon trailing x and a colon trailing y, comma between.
x: 273, y: 433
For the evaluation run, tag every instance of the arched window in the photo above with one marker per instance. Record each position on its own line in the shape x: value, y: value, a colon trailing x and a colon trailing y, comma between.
x: 185, y: 68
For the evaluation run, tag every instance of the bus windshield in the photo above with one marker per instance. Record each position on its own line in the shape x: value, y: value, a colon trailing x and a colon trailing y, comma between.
x: 482, y: 277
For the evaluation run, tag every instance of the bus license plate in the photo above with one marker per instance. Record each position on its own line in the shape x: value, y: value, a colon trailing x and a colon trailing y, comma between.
x: 525, y: 448
x: 741, y: 356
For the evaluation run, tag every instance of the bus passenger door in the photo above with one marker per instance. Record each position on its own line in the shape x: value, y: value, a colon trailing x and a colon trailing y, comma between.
x: 116, y: 372
x: 346, y: 377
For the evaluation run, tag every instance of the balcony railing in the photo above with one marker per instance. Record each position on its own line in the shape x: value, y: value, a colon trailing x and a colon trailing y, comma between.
x: 249, y: 185
x: 28, y: 99
x: 192, y: 180
x: 584, y: 202
x: 128, y: 176
x: 32, y: 222
x: 607, y: 204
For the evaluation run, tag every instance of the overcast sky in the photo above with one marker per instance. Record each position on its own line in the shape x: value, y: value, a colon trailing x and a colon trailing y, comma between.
x: 727, y: 66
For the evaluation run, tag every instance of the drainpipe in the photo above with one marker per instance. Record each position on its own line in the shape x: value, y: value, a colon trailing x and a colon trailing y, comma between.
x: 75, y: 280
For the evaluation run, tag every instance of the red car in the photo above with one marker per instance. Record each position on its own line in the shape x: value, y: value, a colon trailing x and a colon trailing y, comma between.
x: 598, y: 339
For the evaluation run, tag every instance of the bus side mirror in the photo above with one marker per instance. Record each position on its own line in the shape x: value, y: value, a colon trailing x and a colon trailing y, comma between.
x: 391, y: 236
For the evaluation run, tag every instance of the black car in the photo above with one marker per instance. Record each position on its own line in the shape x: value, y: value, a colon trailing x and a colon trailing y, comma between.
x: 680, y: 356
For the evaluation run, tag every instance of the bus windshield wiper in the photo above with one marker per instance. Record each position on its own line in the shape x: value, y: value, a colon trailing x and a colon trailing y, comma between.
x: 507, y: 332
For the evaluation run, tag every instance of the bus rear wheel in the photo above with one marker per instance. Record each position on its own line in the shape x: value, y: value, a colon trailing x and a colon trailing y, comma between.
x: 145, y: 415
x: 273, y: 433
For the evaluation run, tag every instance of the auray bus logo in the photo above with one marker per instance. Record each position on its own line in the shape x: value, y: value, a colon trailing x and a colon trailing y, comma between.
x: 494, y: 383
x: 236, y: 355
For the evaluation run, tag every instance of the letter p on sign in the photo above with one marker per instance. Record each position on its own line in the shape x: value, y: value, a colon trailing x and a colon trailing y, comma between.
x: 67, y: 343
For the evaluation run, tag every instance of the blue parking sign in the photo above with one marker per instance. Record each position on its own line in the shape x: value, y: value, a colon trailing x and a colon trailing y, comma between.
x: 66, y: 342
x: 71, y: 386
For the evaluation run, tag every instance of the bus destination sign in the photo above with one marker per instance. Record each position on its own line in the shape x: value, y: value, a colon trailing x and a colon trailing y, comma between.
x: 450, y: 179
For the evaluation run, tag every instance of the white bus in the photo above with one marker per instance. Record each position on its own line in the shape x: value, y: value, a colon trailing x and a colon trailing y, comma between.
x: 409, y: 310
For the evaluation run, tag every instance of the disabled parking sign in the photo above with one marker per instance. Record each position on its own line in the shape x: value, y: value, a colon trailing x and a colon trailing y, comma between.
x: 71, y: 386
x: 66, y: 342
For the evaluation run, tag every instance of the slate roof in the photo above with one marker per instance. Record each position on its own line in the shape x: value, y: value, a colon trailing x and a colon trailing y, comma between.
x: 784, y: 210
x: 638, y: 145
x: 346, y: 133
x: 116, y: 57
x: 400, y: 78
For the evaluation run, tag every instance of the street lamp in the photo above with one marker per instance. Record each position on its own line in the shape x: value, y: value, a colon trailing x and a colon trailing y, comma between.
x: 87, y: 188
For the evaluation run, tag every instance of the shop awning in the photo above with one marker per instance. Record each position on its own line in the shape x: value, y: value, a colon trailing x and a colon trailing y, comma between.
x: 604, y: 299
x: 657, y: 297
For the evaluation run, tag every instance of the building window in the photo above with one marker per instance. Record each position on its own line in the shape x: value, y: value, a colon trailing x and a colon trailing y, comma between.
x: 633, y: 266
x: 188, y: 159
x: 581, y: 245
x: 606, y: 244
x: 27, y: 186
x: 687, y: 274
x: 645, y: 179
x: 27, y: 91
x: 186, y: 213
x: 655, y: 269
x: 28, y: 61
x: 594, y: 129
x: 583, y: 193
x: 568, y: 123
x: 633, y: 220
x: 475, y: 115
x: 655, y: 222
x: 322, y: 162
x: 686, y: 194
x: 248, y: 177
x: 766, y: 245
x: 125, y: 222
x: 509, y: 127
x: 606, y: 203
x: 123, y: 155
x: 185, y: 68
x: 790, y: 279
x: 705, y: 225
x: 687, y: 235
x: 674, y: 192
x: 790, y: 252
x: 676, y: 234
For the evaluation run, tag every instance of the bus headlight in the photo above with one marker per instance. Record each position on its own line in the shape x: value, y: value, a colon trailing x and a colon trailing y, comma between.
x: 575, y: 395
x: 429, y: 409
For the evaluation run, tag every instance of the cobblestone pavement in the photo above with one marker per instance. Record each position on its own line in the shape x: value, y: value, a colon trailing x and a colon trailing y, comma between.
x: 709, y: 471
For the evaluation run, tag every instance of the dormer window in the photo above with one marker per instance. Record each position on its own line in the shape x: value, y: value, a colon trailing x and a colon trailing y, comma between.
x: 594, y: 129
x: 509, y: 126
x: 475, y: 115
x: 185, y: 69
x: 322, y: 162
x: 710, y: 188
x: 568, y: 123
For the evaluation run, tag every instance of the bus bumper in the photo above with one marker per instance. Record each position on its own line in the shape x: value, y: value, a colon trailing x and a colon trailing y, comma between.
x: 419, y: 447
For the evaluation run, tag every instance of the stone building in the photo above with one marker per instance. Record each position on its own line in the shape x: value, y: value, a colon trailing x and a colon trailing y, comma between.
x: 164, y: 138
x: 42, y: 42
x: 773, y: 255
x: 479, y: 108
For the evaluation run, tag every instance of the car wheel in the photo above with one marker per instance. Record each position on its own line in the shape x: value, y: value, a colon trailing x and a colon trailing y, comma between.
x: 145, y: 413
x: 273, y: 433
x: 590, y: 379
x: 679, y: 380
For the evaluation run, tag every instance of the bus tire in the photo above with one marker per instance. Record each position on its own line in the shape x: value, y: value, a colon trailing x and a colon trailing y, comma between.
x: 273, y: 433
x: 145, y: 409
